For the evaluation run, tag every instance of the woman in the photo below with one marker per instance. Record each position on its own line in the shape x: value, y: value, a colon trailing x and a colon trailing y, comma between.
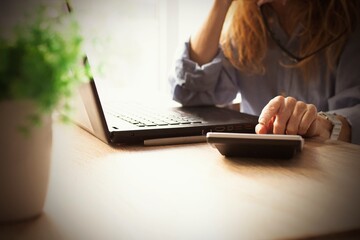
x: 295, y: 64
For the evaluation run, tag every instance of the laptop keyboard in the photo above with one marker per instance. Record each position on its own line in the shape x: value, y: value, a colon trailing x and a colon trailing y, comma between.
x: 151, y: 118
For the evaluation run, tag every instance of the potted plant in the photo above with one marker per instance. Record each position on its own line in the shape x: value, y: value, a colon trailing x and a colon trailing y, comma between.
x: 40, y: 64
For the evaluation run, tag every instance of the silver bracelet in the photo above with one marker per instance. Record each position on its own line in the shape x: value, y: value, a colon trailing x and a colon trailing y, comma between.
x: 337, y: 124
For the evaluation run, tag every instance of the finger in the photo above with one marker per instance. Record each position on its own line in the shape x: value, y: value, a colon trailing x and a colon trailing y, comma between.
x: 260, y: 129
x: 283, y: 115
x: 270, y: 110
x: 307, y: 120
x: 271, y: 125
x: 295, y: 119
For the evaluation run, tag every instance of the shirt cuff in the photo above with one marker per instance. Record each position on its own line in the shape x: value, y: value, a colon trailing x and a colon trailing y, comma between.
x: 192, y: 76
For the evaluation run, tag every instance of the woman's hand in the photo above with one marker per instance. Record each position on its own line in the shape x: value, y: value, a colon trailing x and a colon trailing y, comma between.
x: 289, y: 116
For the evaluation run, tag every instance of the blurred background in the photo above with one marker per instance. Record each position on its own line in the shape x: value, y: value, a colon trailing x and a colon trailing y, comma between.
x: 131, y: 44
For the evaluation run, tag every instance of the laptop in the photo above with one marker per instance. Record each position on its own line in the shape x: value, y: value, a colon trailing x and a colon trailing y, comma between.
x: 127, y: 123
x: 138, y: 123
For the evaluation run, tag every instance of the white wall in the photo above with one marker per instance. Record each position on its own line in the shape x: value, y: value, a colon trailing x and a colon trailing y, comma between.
x: 136, y: 40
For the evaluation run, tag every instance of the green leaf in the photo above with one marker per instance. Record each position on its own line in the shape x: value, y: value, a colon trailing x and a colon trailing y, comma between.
x: 43, y: 63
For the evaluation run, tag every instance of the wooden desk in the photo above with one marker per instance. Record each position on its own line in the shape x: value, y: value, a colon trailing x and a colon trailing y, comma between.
x: 192, y: 192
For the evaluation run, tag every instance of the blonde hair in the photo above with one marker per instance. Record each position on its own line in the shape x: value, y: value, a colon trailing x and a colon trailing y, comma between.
x: 245, y: 38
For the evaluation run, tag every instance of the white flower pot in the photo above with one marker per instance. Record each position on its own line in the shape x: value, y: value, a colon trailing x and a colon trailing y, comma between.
x: 24, y: 162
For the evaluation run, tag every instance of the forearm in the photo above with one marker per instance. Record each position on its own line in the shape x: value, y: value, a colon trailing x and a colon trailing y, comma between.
x: 345, y: 134
x: 204, y: 44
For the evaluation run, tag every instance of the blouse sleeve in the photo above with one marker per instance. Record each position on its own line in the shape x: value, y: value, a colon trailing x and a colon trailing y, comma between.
x: 213, y: 83
x: 346, y: 101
